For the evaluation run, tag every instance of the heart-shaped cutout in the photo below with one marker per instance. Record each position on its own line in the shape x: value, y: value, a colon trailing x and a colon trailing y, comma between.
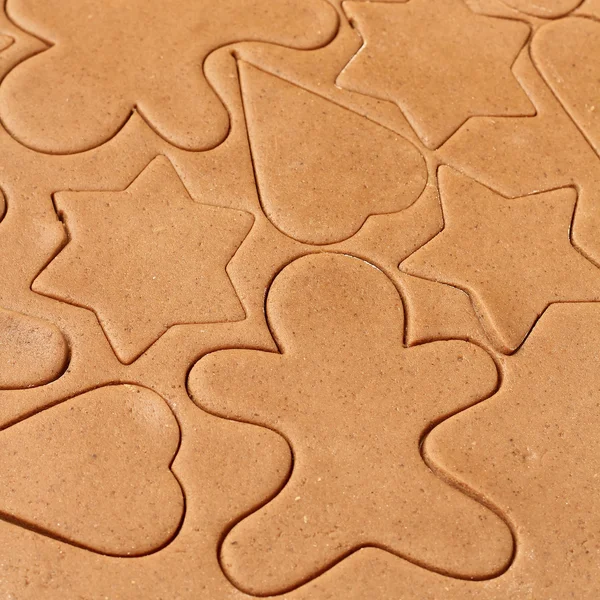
x: 94, y: 471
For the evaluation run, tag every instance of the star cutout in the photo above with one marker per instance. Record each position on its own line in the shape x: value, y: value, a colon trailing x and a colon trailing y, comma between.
x: 513, y: 256
x: 353, y: 403
x: 440, y: 62
x: 146, y: 258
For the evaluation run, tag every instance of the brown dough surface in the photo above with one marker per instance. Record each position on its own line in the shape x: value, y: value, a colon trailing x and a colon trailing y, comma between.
x: 299, y: 299
x: 590, y: 8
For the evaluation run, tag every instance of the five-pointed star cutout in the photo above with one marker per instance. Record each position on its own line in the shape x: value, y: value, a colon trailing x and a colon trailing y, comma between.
x: 439, y: 61
x: 353, y: 403
x: 513, y: 256
x: 146, y: 258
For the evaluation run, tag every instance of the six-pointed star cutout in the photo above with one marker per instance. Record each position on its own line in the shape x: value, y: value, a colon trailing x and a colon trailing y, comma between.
x: 354, y: 403
x: 146, y: 258
x: 439, y: 61
x: 513, y: 256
